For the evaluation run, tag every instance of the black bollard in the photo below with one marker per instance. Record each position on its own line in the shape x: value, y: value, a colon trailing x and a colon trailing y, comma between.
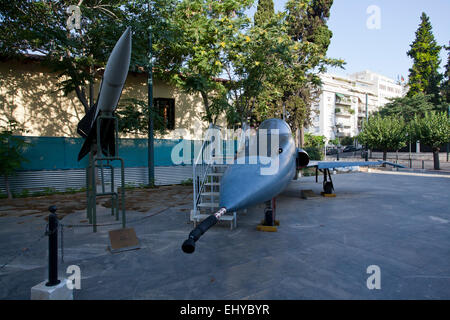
x: 52, y: 248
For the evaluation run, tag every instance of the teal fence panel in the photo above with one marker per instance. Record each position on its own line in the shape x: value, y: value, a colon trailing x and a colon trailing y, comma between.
x: 135, y: 153
x: 55, y: 153
x: 51, y: 153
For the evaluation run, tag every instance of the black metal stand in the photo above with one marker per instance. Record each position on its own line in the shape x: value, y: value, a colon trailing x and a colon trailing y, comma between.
x: 105, y: 162
x: 328, y: 187
x: 52, y: 248
x: 269, y: 213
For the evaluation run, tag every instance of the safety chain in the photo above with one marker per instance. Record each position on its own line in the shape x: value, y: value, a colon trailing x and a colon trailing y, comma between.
x: 61, y: 227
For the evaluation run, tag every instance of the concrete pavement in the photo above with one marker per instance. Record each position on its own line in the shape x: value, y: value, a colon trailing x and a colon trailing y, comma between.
x: 322, y: 249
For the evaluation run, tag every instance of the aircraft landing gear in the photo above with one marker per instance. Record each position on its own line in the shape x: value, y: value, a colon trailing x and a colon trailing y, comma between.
x: 328, y: 187
x: 269, y: 223
x: 269, y: 213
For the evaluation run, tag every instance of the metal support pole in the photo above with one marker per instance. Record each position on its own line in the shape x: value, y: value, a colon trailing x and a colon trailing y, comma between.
x: 410, y: 148
x: 367, y: 119
x: 122, y: 189
x: 52, y: 248
x: 93, y: 198
x: 448, y: 143
x: 151, y: 162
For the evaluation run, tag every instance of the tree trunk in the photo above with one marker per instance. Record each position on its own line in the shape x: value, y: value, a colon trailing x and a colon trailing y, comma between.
x: 384, y: 157
x: 8, y: 190
x: 436, y: 158
x: 297, y: 138
x: 302, y: 136
x: 91, y: 94
x: 206, y: 104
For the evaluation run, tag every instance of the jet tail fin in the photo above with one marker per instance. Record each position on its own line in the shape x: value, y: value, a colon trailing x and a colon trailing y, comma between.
x: 84, y: 126
x: 107, y: 139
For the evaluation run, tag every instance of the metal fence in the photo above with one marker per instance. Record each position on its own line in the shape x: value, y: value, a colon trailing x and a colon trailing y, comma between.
x: 52, y: 164
x: 74, y: 179
x: 52, y: 153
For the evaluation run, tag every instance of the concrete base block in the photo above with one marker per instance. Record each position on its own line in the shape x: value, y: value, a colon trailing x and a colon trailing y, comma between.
x: 328, y: 195
x: 275, y: 223
x: 260, y: 227
x: 58, y: 292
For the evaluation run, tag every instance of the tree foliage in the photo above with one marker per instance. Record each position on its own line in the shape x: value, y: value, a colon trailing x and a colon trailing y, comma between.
x: 384, y: 133
x: 264, y: 12
x: 11, y: 152
x: 194, y: 42
x: 256, y: 63
x: 205, y: 28
x: 424, y: 76
x: 76, y: 56
x: 347, y: 141
x: 445, y: 87
x: 408, y: 107
x: 307, y: 26
x: 314, y: 146
x: 433, y: 129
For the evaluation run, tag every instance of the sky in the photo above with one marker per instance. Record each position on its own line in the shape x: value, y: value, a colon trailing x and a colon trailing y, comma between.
x: 382, y: 47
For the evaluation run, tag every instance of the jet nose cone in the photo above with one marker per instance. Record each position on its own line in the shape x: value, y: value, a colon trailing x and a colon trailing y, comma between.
x: 123, y: 45
x: 244, y: 185
x: 116, y: 69
x: 127, y: 35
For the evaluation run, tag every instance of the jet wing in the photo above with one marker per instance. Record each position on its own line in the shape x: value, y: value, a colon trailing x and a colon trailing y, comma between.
x: 343, y: 164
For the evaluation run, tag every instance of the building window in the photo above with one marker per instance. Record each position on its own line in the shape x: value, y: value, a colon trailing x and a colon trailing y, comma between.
x: 166, y: 109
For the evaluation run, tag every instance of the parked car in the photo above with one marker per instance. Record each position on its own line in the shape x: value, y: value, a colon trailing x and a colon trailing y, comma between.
x: 350, y: 149
x: 331, y: 151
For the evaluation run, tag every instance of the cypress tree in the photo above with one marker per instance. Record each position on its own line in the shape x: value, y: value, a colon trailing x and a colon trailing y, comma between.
x: 264, y: 12
x: 424, y: 76
x: 445, y: 89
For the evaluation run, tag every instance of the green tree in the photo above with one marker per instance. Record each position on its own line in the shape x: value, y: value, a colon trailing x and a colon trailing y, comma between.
x: 433, y: 130
x: 205, y: 28
x: 264, y: 12
x: 347, y: 141
x: 307, y: 26
x: 11, y: 153
x: 314, y: 146
x: 335, y: 141
x: 408, y: 106
x: 77, y: 57
x: 276, y: 68
x: 445, y: 88
x: 256, y: 61
x: 424, y: 76
x: 385, y: 133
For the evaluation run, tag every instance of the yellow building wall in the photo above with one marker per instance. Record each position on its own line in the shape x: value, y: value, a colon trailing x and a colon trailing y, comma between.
x: 29, y: 95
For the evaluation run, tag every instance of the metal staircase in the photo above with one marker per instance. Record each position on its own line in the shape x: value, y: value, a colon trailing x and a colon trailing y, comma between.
x: 208, y: 169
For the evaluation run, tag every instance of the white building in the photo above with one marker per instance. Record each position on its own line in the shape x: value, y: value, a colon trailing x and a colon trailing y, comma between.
x: 342, y: 104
